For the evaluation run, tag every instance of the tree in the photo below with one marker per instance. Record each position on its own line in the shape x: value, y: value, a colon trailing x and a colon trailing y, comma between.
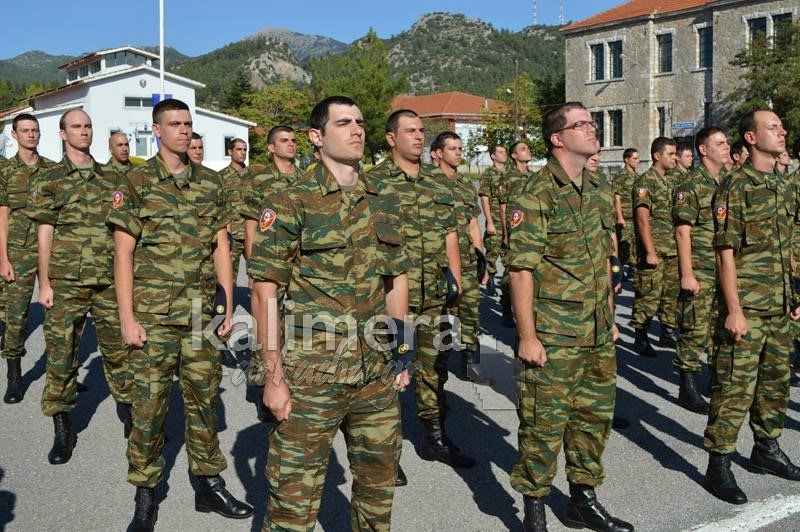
x: 9, y: 97
x: 520, y: 107
x: 235, y: 90
x: 771, y: 70
x: 282, y: 104
x: 363, y: 73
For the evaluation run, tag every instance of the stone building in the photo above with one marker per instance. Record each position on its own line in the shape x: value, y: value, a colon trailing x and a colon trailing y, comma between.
x: 662, y: 67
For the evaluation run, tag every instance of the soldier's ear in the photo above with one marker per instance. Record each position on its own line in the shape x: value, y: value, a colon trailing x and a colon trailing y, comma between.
x: 390, y: 139
x: 556, y: 141
x: 315, y: 136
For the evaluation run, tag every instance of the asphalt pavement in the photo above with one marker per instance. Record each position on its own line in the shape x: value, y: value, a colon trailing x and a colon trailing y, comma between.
x: 654, y: 469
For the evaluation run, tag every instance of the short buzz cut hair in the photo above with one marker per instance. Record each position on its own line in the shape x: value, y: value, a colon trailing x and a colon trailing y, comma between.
x: 393, y: 121
x: 704, y: 134
x: 196, y: 136
x: 170, y: 104
x: 438, y: 142
x: 660, y: 144
x: 23, y: 116
x: 737, y: 147
x: 749, y: 123
x: 320, y: 112
x: 555, y: 120
x: 494, y: 147
x: 628, y: 153
x: 62, y: 122
x: 233, y: 142
x: 278, y: 129
x: 513, y: 147
x: 682, y: 147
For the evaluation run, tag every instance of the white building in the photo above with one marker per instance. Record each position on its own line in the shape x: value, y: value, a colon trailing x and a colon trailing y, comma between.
x: 117, y: 88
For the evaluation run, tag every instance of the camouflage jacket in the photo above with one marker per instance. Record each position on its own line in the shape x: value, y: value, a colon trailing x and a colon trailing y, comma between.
x: 330, y: 249
x: 692, y: 205
x: 515, y: 181
x: 653, y: 191
x: 261, y: 186
x: 426, y: 207
x: 16, y: 186
x: 563, y: 235
x: 175, y: 220
x: 122, y: 169
x: 76, y: 203
x: 755, y: 214
x: 466, y: 208
x: 494, y: 186
x: 623, y: 187
x: 235, y: 186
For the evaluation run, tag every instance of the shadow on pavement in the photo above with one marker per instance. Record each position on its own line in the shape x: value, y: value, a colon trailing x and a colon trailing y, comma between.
x: 8, y: 501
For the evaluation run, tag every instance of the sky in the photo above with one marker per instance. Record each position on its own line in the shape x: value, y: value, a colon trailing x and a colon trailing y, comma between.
x: 195, y: 27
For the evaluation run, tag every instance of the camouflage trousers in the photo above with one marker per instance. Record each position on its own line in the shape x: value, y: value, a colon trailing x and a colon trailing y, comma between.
x: 430, y: 366
x: 236, y: 252
x: 749, y: 376
x: 656, y: 292
x: 16, y: 299
x: 199, y: 375
x: 468, y: 308
x: 63, y: 328
x: 300, y: 448
x: 625, y: 242
x: 696, y: 319
x: 494, y: 251
x: 569, y: 402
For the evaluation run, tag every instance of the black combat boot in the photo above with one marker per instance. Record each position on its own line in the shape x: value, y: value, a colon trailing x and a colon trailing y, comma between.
x: 584, y: 510
x: 400, y: 479
x: 768, y: 458
x: 124, y: 415
x: 688, y: 396
x: 641, y: 343
x: 471, y: 366
x: 14, y: 391
x: 535, y: 518
x: 795, y: 369
x: 146, y: 513
x: 211, y: 496
x: 668, y: 337
x: 720, y: 480
x: 63, y: 441
x: 434, y: 446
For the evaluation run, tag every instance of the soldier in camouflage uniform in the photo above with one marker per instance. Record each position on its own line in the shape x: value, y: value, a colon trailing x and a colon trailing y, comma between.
x: 196, y: 150
x: 794, y: 178
x: 235, y: 180
x: 560, y: 242
x: 70, y: 202
x: 429, y: 227
x: 169, y: 220
x: 120, y: 150
x: 18, y: 259
x: 516, y: 177
x: 280, y: 175
x: 447, y: 147
x: 333, y: 242
x: 655, y: 252
x: 492, y: 190
x: 694, y: 233
x: 623, y: 185
x: 755, y: 214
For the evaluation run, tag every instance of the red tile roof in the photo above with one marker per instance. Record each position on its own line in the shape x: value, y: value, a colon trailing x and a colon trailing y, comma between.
x: 445, y: 104
x: 636, y: 9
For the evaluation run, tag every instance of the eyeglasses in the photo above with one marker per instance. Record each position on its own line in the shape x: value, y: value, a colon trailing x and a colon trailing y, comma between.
x: 580, y: 124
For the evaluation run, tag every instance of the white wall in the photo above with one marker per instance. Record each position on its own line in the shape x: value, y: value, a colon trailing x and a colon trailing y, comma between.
x: 214, y: 130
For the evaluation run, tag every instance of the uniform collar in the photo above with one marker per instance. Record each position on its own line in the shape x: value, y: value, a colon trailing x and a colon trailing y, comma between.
x: 328, y: 184
x: 19, y: 162
x: 70, y: 166
x: 163, y: 172
x: 561, y: 177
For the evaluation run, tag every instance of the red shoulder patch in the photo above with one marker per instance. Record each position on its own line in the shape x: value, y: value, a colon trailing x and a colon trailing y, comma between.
x: 516, y: 217
x: 119, y: 197
x: 720, y: 212
x: 268, y: 218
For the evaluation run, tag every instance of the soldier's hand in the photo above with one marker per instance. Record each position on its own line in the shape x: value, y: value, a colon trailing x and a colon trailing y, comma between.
x: 225, y: 327
x: 652, y: 259
x: 615, y: 332
x: 133, y: 333
x: 621, y: 223
x: 795, y: 313
x: 46, y: 296
x: 7, y: 271
x: 401, y: 380
x: 278, y: 399
x: 532, y: 352
x: 690, y: 284
x: 491, y: 229
x: 736, y: 325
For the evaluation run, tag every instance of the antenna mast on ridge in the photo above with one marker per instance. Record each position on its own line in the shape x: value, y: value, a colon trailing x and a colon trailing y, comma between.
x: 535, y: 13
x: 561, y: 15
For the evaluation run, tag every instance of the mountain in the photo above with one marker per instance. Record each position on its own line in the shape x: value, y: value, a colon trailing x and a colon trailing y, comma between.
x: 444, y: 52
x: 303, y: 46
x: 172, y: 57
x: 33, y: 67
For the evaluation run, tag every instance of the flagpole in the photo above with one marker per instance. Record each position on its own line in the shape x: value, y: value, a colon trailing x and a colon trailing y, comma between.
x: 161, y: 45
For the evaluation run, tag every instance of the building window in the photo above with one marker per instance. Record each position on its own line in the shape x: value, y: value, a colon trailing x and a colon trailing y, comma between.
x: 133, y: 101
x: 615, y: 55
x: 781, y: 24
x: 599, y: 118
x: 73, y: 75
x: 94, y: 68
x: 598, y: 62
x: 227, y: 142
x: 615, y: 127
x: 662, y: 121
x: 707, y: 118
x: 142, y: 144
x: 757, y: 28
x: 84, y: 71
x: 705, y: 47
x: 664, y: 52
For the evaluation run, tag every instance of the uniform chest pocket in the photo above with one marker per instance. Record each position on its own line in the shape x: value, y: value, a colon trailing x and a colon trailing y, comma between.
x: 17, y: 194
x: 323, y: 253
x: 759, y: 228
x: 71, y: 210
x: 158, y: 223
x: 209, y: 217
x: 561, y: 233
